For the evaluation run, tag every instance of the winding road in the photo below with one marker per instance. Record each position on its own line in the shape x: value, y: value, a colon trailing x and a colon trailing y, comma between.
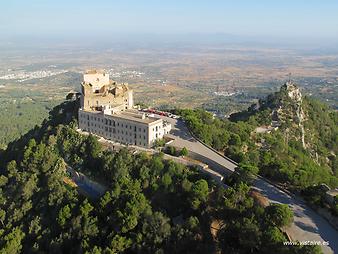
x: 307, y: 225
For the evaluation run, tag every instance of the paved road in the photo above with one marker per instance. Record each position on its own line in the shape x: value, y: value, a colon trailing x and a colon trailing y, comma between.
x: 307, y: 225
x: 182, y: 138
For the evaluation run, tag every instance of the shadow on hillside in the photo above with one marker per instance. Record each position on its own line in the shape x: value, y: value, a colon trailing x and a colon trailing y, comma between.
x: 63, y: 113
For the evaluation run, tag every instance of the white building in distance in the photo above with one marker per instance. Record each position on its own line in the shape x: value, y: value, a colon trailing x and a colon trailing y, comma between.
x: 107, y: 111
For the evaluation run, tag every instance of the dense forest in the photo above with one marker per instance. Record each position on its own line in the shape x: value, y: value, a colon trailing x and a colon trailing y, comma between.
x: 24, y: 104
x: 278, y: 154
x: 152, y: 205
x: 18, y: 118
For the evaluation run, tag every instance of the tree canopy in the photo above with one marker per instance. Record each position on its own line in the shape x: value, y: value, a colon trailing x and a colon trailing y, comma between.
x: 151, y: 205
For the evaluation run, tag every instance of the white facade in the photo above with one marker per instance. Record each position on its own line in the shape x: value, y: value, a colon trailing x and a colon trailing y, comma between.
x: 117, y: 122
x: 126, y: 127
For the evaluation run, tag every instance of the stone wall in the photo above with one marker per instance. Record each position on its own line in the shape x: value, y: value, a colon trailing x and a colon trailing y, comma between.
x: 96, y: 79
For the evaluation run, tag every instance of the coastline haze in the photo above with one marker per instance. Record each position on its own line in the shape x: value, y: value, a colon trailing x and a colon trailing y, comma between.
x: 310, y: 23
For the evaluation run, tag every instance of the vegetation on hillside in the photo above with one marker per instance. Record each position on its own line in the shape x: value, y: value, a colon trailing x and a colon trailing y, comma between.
x: 279, y: 154
x: 151, y: 206
x: 25, y: 104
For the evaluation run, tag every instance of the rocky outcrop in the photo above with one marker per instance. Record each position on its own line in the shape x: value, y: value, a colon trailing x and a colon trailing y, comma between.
x: 292, y: 91
x: 290, y: 111
x: 294, y: 94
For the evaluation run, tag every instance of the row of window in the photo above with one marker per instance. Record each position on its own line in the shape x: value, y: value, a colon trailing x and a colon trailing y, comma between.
x: 128, y: 141
x: 113, y: 130
x: 113, y: 123
x: 107, y: 128
x: 97, y: 102
x: 157, y: 128
x: 120, y: 139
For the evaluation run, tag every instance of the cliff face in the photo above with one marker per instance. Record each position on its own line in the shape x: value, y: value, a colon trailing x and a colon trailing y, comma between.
x: 285, y: 107
x: 301, y: 119
x: 292, y: 91
x: 290, y: 111
x: 297, y: 118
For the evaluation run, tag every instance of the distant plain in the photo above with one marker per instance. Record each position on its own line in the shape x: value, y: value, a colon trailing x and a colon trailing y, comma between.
x: 221, y: 78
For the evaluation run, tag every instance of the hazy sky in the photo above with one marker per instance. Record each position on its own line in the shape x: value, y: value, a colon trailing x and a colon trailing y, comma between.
x: 267, y: 18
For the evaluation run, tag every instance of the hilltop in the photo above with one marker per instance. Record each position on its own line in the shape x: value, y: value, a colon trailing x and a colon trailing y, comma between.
x: 282, y: 108
x: 289, y: 137
x: 299, y: 119
x: 151, y: 204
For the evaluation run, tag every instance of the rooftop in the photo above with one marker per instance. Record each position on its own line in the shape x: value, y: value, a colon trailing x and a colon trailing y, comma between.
x: 134, y: 115
x: 95, y: 72
x: 130, y: 114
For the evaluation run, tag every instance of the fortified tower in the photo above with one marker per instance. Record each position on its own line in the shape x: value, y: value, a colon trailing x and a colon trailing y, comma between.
x: 98, y: 92
x: 96, y: 78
